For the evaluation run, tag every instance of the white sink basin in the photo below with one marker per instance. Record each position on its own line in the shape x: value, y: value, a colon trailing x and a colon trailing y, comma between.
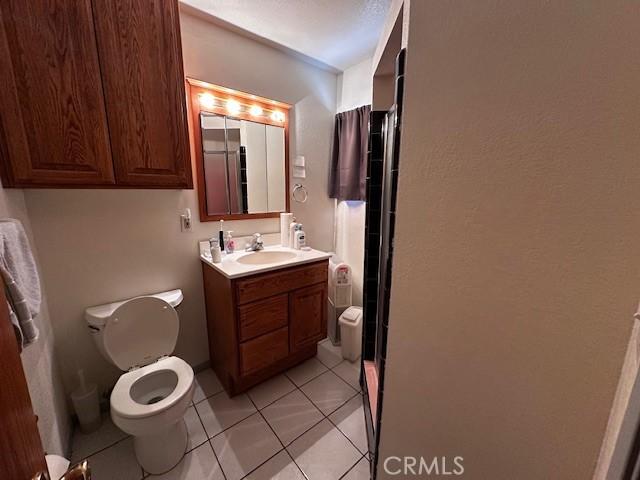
x: 264, y: 257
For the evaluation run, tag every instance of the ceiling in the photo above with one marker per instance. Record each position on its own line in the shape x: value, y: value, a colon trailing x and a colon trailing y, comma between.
x: 338, y: 33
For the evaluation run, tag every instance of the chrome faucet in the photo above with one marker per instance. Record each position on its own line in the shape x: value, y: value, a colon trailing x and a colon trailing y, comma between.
x: 255, y: 243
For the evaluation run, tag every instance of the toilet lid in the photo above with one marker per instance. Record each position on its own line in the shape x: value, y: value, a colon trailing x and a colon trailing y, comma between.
x: 140, y: 331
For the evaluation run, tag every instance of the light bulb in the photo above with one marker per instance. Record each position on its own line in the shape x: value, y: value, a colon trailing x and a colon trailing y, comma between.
x: 277, y: 116
x: 256, y: 110
x: 233, y: 106
x: 207, y: 100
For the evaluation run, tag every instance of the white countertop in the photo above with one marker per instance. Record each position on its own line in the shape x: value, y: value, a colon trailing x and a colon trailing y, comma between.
x: 230, y: 268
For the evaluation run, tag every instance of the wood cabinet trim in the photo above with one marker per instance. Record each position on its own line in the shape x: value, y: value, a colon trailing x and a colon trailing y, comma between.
x: 55, y: 94
x: 65, y: 94
x: 263, y: 316
x: 256, y: 287
x: 196, y: 88
x: 227, y: 344
x: 300, y: 338
x: 144, y: 92
x: 263, y: 351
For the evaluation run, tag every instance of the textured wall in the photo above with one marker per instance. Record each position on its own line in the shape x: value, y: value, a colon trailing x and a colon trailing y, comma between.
x: 517, y: 236
x: 103, y: 245
x: 39, y: 359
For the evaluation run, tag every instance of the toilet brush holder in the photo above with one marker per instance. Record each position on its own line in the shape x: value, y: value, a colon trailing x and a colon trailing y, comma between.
x: 87, y: 407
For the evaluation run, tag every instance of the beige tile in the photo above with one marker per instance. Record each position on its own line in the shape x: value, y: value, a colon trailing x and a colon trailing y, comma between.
x: 291, y: 416
x: 118, y: 461
x: 328, y: 354
x: 271, y: 390
x: 323, y: 453
x: 280, y: 467
x: 85, y: 444
x: 328, y: 392
x: 349, y: 372
x: 197, y: 435
x: 306, y: 371
x: 220, y: 411
x: 360, y: 472
x: 199, y: 464
x: 206, y: 384
x: 350, y: 420
x: 245, y: 446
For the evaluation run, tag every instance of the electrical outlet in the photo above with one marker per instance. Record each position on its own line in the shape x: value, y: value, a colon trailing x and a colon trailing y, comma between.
x: 185, y: 221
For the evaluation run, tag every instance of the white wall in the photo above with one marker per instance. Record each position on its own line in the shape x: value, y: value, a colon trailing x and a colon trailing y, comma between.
x: 39, y: 359
x: 515, y: 273
x: 355, y: 88
x: 103, y: 245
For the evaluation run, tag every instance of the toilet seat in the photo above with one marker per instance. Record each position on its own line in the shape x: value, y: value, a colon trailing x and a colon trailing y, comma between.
x: 124, y: 405
x: 140, y: 331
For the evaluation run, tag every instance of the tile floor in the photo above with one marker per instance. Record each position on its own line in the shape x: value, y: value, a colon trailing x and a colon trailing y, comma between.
x: 307, y: 423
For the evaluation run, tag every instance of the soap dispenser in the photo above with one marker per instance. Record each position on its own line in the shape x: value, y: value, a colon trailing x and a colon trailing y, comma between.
x: 229, y: 243
x: 299, y: 240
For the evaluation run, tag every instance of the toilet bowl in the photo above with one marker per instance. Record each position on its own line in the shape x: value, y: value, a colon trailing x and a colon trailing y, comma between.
x: 150, y: 400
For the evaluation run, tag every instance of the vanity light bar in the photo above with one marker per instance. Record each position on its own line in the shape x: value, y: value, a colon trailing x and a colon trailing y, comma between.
x: 234, y: 107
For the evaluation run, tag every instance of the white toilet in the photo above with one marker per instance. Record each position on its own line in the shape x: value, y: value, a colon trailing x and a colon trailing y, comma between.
x: 150, y: 400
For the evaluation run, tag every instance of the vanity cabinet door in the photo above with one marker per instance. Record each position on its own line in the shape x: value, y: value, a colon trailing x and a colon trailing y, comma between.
x: 307, y: 316
x: 141, y: 60
x: 53, y: 125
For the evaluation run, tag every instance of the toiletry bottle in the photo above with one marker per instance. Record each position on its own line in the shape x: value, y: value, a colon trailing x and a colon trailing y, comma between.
x: 216, y: 253
x: 300, y: 241
x: 292, y: 234
x: 221, y: 236
x: 229, y: 243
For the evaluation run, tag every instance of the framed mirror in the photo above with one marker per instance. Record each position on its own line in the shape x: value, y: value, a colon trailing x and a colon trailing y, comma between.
x: 240, y: 142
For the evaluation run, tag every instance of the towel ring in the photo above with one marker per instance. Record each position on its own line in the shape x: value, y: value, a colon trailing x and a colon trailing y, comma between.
x: 300, y: 193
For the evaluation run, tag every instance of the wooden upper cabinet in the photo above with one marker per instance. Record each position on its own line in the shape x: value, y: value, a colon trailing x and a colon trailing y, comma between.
x: 141, y: 60
x: 53, y: 125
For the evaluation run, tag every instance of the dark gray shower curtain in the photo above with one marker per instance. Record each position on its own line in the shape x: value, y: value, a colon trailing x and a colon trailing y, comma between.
x: 348, y: 172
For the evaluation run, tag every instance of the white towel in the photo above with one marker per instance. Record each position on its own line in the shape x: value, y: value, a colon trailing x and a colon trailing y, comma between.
x: 18, y: 269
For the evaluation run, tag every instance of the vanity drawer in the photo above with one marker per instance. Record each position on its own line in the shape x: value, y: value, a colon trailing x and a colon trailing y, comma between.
x: 263, y: 316
x: 274, y: 283
x: 263, y: 351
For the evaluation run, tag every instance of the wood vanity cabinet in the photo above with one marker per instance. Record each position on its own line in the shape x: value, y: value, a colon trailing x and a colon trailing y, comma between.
x: 262, y: 324
x: 92, y: 94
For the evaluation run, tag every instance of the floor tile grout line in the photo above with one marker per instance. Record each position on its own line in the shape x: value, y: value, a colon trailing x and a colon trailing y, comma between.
x: 285, y: 447
x: 274, y: 433
x: 345, y: 435
x: 331, y: 413
x: 296, y: 464
x: 352, y: 467
x: 208, y: 440
x: 333, y: 370
x: 306, y: 431
x: 215, y: 455
x: 207, y: 398
x: 103, y: 449
x: 279, y: 398
x: 311, y: 379
x: 335, y: 409
x: 267, y: 460
x: 227, y: 428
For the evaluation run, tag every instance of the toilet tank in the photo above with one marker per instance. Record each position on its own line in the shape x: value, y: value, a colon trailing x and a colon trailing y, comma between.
x: 98, y: 315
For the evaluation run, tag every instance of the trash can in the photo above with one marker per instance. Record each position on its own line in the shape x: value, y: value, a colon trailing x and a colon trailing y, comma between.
x: 351, y: 333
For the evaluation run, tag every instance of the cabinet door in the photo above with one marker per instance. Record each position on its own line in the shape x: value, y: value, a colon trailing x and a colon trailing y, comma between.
x: 141, y: 60
x: 307, y: 316
x: 53, y: 125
